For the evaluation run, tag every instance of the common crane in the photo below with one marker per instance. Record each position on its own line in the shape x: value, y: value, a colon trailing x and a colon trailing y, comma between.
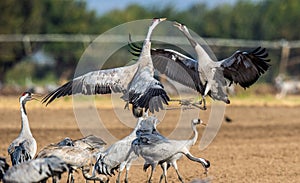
x: 118, y: 156
x: 36, y: 170
x: 24, y: 147
x: 156, y: 149
x: 136, y: 82
x: 205, y: 75
x: 78, y: 154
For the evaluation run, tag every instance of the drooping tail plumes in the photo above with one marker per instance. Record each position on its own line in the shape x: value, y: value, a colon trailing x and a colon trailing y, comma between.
x: 20, y: 154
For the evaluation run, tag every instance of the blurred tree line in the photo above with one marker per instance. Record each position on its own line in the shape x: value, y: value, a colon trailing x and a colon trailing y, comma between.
x: 261, y: 20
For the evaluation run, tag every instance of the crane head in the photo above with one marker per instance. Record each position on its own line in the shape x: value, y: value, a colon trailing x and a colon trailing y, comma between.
x: 27, y: 96
x: 156, y: 21
x: 181, y: 27
x: 198, y: 121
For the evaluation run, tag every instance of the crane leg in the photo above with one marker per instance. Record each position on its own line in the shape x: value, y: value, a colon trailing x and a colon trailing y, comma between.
x: 72, y: 178
x: 126, y: 106
x: 204, y: 103
x: 127, y: 166
x: 126, y: 176
x: 55, y: 179
x: 164, y: 168
x: 68, y: 179
x: 152, y: 170
x: 177, y: 171
x: 119, y: 176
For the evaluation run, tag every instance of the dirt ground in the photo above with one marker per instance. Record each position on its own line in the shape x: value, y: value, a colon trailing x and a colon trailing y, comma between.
x: 261, y: 144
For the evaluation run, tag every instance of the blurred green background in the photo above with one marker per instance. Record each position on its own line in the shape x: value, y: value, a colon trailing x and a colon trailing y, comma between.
x: 26, y: 61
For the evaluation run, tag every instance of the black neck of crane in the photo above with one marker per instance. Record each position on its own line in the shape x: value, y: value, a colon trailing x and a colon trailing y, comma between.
x: 23, y: 106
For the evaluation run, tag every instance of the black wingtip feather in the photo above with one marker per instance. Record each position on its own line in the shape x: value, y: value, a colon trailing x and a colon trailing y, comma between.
x: 64, y: 90
x: 152, y: 99
x: 238, y: 69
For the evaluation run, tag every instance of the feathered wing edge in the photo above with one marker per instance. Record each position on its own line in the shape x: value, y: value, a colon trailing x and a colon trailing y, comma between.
x: 245, y: 68
x: 173, y: 64
x: 95, y: 82
x: 64, y: 90
x: 153, y: 99
x: 74, y: 87
x: 102, y: 168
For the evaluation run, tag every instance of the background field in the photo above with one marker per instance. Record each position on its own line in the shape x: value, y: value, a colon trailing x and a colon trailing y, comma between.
x: 41, y: 43
x: 261, y: 144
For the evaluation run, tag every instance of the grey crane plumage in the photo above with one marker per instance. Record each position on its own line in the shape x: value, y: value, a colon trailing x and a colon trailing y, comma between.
x: 205, y: 75
x: 156, y: 149
x: 136, y: 82
x: 91, y: 142
x: 118, y: 155
x: 3, y: 167
x: 24, y: 147
x: 172, y: 161
x: 36, y: 170
x: 78, y: 154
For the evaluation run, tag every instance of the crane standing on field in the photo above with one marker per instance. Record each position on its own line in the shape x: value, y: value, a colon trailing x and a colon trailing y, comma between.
x: 118, y: 156
x: 157, y: 149
x: 24, y: 147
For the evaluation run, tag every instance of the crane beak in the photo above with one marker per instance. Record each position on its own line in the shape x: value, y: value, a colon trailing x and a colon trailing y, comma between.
x: 176, y: 24
x: 162, y: 19
x: 202, y: 123
x: 33, y: 98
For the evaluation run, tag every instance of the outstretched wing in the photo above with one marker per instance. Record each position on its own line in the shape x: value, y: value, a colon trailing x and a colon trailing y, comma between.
x: 174, y: 65
x: 95, y: 82
x: 245, y: 68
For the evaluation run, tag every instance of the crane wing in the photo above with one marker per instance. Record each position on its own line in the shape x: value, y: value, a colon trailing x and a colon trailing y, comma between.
x: 244, y: 68
x: 21, y: 153
x: 174, y: 65
x: 148, y: 93
x: 95, y: 82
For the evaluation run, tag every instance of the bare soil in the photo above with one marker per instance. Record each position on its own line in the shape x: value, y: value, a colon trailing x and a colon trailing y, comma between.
x: 261, y: 144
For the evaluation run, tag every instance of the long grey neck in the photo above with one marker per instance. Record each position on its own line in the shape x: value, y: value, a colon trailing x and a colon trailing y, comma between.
x: 201, y: 53
x: 146, y: 51
x: 25, y: 128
